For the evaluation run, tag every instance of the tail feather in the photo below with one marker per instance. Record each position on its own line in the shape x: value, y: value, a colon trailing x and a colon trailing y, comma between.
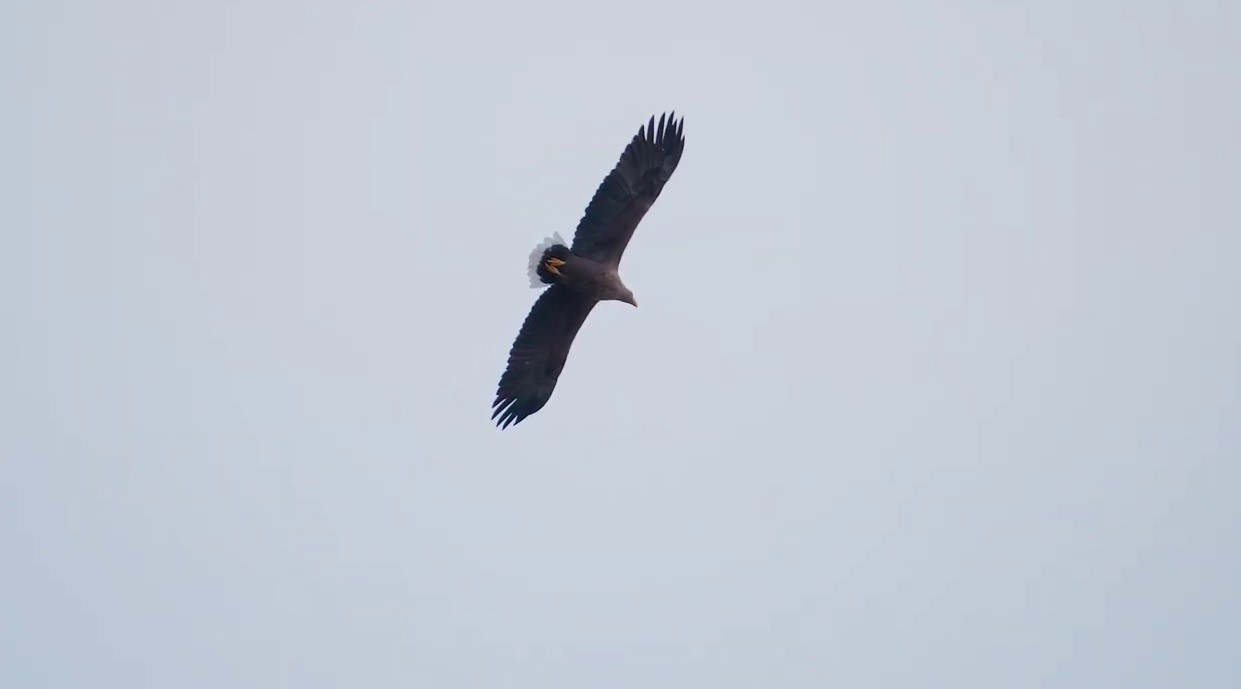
x: 538, y: 275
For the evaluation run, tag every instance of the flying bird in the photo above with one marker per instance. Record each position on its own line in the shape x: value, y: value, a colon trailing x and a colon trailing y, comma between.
x: 586, y: 273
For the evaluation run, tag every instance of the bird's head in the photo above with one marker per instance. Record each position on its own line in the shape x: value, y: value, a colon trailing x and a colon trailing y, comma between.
x: 615, y: 290
x: 623, y: 294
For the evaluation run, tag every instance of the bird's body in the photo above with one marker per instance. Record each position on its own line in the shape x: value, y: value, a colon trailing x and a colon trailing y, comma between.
x: 587, y: 273
x: 586, y: 277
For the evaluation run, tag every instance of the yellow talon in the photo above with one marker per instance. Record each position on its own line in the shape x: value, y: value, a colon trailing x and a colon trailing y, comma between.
x: 553, y: 264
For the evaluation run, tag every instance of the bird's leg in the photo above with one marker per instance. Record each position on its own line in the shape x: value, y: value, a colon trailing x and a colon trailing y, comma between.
x: 553, y: 265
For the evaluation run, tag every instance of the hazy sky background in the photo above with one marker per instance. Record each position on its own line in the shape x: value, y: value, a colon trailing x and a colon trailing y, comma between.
x: 934, y: 381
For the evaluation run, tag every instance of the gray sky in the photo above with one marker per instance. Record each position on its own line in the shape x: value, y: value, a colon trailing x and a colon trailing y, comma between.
x: 934, y: 382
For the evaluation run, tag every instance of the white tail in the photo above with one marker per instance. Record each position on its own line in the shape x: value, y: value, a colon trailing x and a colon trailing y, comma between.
x: 535, y: 255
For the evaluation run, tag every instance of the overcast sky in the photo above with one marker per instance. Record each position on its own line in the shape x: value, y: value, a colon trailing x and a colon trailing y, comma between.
x: 934, y: 382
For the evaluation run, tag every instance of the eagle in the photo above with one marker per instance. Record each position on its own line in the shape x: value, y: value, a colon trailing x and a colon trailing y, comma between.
x: 577, y: 277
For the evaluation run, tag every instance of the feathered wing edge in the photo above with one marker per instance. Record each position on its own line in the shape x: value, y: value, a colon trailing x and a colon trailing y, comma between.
x: 629, y: 189
x: 538, y: 354
x: 537, y: 253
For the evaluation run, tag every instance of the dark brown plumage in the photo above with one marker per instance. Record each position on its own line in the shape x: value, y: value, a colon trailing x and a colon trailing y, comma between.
x: 585, y: 274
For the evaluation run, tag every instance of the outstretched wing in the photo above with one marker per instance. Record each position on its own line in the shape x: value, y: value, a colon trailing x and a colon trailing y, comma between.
x: 539, y: 353
x: 628, y: 191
